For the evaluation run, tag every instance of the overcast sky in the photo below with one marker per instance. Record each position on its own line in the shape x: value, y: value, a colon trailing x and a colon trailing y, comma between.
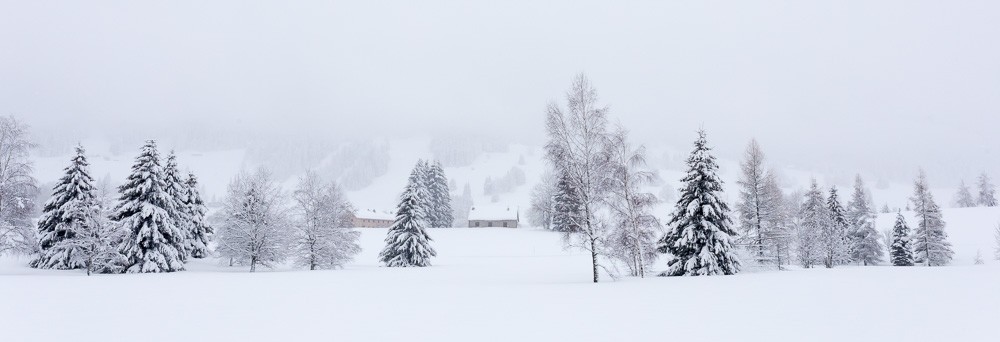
x: 865, y: 84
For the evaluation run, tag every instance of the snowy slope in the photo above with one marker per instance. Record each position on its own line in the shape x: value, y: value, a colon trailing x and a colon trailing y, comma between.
x: 497, y: 285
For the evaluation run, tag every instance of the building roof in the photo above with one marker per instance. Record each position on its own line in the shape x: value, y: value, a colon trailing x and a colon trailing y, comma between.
x: 373, y: 214
x: 493, y: 213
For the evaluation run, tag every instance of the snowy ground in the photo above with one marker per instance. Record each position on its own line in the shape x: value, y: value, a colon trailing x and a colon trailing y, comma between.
x: 498, y: 285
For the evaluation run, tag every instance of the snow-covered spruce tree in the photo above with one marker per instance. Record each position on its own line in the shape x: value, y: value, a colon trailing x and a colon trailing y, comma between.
x: 963, y: 199
x: 18, y: 190
x: 441, y: 214
x: 901, y: 253
x: 542, y: 202
x: 930, y: 241
x: 578, y: 150
x: 255, y: 228
x: 835, y: 239
x: 144, y: 212
x: 324, y: 239
x: 407, y: 243
x: 565, y: 206
x: 199, y: 231
x: 814, y: 218
x: 698, y: 234
x: 987, y: 192
x: 633, y: 240
x: 423, y: 171
x: 64, y: 213
x: 865, y: 246
x: 176, y: 191
x: 759, y: 206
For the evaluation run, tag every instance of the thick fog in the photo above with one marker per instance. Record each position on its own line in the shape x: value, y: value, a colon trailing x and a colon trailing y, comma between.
x: 882, y: 87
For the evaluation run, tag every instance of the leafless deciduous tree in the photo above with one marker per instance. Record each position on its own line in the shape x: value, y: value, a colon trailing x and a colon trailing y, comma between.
x: 254, y: 228
x: 578, y: 148
x: 18, y: 189
x: 542, y: 205
x: 762, y: 220
x: 323, y: 239
x: 635, y: 227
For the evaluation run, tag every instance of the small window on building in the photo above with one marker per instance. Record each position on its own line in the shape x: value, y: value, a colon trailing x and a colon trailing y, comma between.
x: 505, y: 224
x: 477, y: 223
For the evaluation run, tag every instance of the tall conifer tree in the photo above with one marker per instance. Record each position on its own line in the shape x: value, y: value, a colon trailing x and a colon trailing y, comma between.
x: 865, y: 246
x: 930, y: 241
x: 199, y: 231
x: 834, y: 237
x: 901, y: 252
x: 407, y: 243
x: 177, y: 191
x: 987, y: 192
x: 963, y: 199
x: 699, y: 233
x: 64, y: 214
x: 566, y: 206
x: 145, y: 213
x: 441, y: 214
x: 814, y: 219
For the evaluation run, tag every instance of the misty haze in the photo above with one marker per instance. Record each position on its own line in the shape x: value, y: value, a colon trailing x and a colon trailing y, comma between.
x: 461, y: 170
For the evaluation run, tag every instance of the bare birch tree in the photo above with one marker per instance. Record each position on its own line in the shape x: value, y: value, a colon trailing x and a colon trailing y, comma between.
x: 635, y: 227
x: 578, y: 149
x: 18, y: 189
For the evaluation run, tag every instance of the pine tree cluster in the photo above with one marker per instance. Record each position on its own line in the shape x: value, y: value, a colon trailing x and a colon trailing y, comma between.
x: 158, y: 223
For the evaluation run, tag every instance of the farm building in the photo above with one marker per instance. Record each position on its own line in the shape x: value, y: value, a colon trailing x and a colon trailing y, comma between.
x: 485, y: 217
x: 373, y: 219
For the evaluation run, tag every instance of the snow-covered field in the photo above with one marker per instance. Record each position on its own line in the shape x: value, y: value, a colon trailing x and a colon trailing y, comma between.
x: 497, y: 285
